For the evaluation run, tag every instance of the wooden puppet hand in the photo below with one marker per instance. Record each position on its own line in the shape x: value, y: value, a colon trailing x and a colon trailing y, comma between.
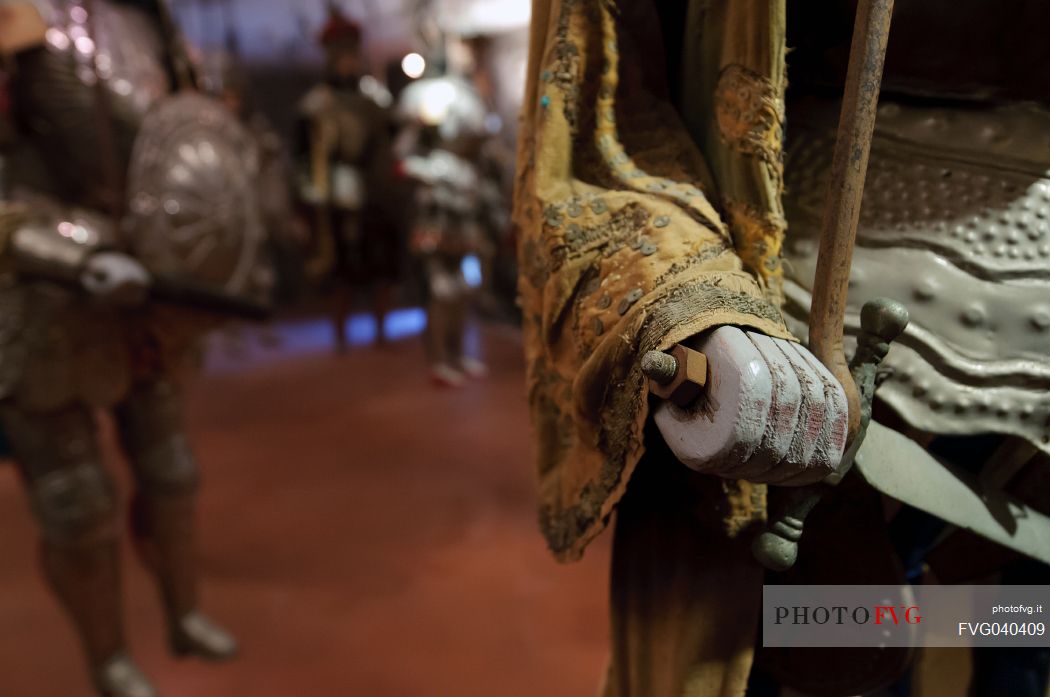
x: 115, y: 278
x: 770, y: 412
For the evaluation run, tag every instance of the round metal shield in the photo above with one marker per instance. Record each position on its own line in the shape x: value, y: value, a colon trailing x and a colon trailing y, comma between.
x: 192, y: 200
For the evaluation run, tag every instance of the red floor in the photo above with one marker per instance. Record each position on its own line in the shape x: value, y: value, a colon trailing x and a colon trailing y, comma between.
x: 365, y: 535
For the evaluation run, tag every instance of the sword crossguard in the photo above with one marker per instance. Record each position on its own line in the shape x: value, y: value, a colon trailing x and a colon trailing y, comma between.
x: 881, y: 321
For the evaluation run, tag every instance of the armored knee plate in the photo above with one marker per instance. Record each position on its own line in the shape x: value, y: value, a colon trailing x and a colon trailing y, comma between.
x: 152, y: 433
x: 75, y: 503
x: 72, y: 495
x: 166, y: 467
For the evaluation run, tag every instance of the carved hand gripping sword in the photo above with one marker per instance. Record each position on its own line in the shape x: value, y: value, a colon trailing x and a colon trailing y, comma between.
x: 882, y: 320
x: 680, y: 375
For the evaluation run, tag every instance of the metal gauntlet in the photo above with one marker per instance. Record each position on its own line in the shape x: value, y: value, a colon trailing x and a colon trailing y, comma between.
x: 54, y: 244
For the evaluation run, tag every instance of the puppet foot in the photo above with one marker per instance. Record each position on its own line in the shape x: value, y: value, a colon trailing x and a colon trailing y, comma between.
x: 120, y: 677
x: 445, y: 375
x: 195, y: 634
x: 473, y: 368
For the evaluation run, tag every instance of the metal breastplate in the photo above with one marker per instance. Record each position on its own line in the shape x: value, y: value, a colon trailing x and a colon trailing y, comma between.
x: 55, y: 94
x: 956, y: 225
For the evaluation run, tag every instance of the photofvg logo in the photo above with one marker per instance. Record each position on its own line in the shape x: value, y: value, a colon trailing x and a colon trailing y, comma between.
x: 884, y: 616
x: 841, y: 614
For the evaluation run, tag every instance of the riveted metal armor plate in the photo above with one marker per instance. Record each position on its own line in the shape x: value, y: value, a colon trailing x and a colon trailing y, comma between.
x: 955, y: 224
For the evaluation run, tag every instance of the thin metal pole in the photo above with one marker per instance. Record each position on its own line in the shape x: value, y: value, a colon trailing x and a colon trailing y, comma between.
x: 849, y: 166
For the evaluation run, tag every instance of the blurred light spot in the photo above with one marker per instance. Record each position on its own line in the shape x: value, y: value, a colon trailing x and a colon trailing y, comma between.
x: 438, y: 98
x: 207, y: 153
x: 85, y: 45
x: 492, y: 16
x: 104, y: 64
x: 471, y: 270
x: 86, y: 75
x: 413, y: 65
x: 360, y: 330
x: 180, y: 174
x: 57, y: 39
x: 189, y: 153
x: 493, y: 123
x: 406, y: 322
x: 304, y: 337
x: 374, y: 89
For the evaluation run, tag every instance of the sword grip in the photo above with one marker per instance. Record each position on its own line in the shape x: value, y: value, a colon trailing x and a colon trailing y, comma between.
x: 849, y: 164
x: 198, y: 296
x: 777, y: 547
x: 881, y: 321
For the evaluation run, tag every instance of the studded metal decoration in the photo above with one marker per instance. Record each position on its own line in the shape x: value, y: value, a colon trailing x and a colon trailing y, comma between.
x: 956, y: 225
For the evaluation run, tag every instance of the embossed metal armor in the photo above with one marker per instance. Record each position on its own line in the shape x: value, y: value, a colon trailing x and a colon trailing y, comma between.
x: 192, y: 208
x: 118, y: 47
x: 956, y: 224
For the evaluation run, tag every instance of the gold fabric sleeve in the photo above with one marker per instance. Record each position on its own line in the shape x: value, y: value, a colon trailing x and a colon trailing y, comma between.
x: 622, y: 249
x: 733, y: 82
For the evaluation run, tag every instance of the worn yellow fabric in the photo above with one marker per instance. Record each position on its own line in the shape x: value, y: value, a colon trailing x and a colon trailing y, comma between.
x: 733, y: 82
x: 624, y: 243
x: 684, y: 599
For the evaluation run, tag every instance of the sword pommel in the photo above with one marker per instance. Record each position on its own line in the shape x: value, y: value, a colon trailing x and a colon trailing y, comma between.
x: 884, y: 318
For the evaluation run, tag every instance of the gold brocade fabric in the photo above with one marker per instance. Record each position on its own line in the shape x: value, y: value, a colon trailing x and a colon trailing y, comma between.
x: 630, y: 238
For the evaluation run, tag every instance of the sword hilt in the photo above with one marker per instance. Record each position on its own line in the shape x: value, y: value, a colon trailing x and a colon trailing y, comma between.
x: 196, y: 295
x: 881, y: 321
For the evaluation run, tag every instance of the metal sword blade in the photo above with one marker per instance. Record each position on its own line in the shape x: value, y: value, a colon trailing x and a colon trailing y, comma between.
x: 900, y: 468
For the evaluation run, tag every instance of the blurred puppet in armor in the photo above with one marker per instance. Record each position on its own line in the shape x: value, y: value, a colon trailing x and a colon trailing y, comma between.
x: 444, y: 128
x: 652, y: 208
x: 129, y: 227
x: 346, y: 177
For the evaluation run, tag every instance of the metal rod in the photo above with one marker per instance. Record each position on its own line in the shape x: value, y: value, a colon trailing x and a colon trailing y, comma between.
x: 777, y: 547
x: 845, y: 190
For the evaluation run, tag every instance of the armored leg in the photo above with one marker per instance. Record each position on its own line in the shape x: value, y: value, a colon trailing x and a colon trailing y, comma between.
x: 456, y: 328
x: 441, y: 320
x: 437, y: 329
x: 346, y: 227
x: 447, y: 324
x: 380, y: 309
x: 342, y: 302
x: 152, y: 434
x: 73, y: 499
x: 457, y: 313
